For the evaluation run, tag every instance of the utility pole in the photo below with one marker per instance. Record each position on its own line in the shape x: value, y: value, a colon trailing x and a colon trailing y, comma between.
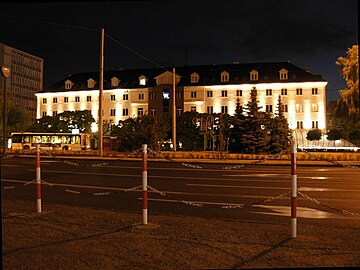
x: 101, y: 88
x: 174, y: 111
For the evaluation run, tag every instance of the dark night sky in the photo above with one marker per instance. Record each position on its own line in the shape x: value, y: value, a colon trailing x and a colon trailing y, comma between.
x: 140, y: 34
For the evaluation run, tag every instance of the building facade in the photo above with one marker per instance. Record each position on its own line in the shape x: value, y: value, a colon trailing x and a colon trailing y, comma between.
x: 202, y: 88
x: 26, y: 78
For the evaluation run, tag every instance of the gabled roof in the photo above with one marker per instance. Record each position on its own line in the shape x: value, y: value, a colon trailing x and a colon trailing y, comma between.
x: 209, y: 75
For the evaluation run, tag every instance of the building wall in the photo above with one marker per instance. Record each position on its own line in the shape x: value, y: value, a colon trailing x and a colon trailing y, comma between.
x: 305, y: 108
x: 26, y: 77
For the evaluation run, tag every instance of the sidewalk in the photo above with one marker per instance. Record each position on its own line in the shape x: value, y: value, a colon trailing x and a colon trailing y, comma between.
x: 67, y: 237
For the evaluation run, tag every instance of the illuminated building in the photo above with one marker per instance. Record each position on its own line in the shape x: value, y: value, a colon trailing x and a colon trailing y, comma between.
x: 26, y: 77
x: 203, y: 88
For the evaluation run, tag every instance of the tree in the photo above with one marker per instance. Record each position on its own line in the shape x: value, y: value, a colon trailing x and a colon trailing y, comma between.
x: 346, y: 114
x: 64, y: 122
x: 255, y: 127
x: 279, y: 131
x: 313, y: 135
x: 187, y: 131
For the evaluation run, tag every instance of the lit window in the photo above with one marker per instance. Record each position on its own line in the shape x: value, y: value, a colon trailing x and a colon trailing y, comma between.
x: 125, y: 112
x: 299, y: 107
x: 314, y: 91
x: 142, y: 80
x: 314, y: 107
x: 224, y: 109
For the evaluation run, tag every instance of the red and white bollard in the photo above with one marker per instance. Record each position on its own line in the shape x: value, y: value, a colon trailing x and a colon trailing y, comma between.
x: 144, y: 184
x: 38, y: 179
x: 293, y: 190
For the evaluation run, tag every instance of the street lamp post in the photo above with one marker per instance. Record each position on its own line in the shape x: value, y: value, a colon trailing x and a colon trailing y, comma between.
x: 5, y: 71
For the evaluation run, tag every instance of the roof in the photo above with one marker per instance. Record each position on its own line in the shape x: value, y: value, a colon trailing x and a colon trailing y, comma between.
x: 239, y: 73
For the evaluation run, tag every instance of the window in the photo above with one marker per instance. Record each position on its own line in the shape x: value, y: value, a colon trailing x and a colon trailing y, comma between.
x: 193, y: 108
x: 125, y: 97
x: 141, y: 96
x: 44, y: 100
x: 90, y: 83
x: 299, y: 125
x: 140, y: 111
x: 194, y: 77
x: 224, y: 76
x: 54, y: 113
x: 284, y: 108
x: 115, y: 82
x: 223, y: 93
x: 125, y: 112
x: 283, y: 74
x: 269, y: 108
x: 209, y: 93
x: 43, y: 114
x: 224, y: 109
x: 112, y: 112
x: 315, y: 124
x: 298, y: 91
x: 112, y: 98
x: 88, y: 98
x: 77, y: 99
x: 152, y: 95
x: 210, y: 109
x: 314, y: 91
x: 239, y: 93
x: 68, y: 84
x: 269, y: 92
x: 142, y: 80
x: 193, y: 94
x: 284, y: 92
x: 178, y: 111
x: 152, y: 111
x: 254, y: 75
x: 54, y: 100
x: 66, y: 99
x: 299, y: 107
x: 314, y: 107
x: 178, y: 94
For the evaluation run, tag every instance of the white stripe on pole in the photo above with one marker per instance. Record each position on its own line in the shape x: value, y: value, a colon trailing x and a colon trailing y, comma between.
x: 293, y: 190
x: 38, y: 179
x: 144, y: 183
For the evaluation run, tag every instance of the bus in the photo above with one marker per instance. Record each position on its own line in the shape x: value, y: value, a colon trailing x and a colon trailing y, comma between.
x: 50, y: 141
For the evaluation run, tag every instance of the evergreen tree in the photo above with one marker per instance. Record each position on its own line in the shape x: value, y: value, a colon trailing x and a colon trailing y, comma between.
x: 279, y: 131
x: 236, y: 132
x: 255, y: 126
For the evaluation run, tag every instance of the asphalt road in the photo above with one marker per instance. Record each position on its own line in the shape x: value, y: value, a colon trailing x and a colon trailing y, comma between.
x: 225, y: 191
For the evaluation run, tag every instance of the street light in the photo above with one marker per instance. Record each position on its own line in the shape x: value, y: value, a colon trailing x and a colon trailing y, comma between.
x: 5, y: 71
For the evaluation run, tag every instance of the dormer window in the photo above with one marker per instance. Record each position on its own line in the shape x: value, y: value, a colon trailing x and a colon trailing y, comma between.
x: 254, y: 75
x: 194, y: 77
x: 224, y: 76
x: 90, y: 83
x: 142, y: 80
x: 115, y: 82
x: 283, y: 74
x: 68, y: 84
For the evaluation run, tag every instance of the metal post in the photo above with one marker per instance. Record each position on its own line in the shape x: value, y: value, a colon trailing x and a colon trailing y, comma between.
x: 174, y: 112
x: 144, y: 184
x: 4, y: 119
x: 293, y: 189
x: 101, y: 87
x: 38, y: 179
